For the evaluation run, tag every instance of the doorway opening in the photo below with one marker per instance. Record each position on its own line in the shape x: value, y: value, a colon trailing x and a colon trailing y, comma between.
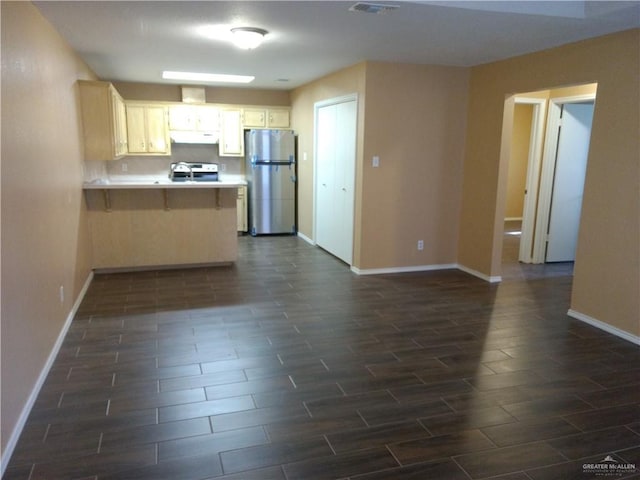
x: 548, y: 149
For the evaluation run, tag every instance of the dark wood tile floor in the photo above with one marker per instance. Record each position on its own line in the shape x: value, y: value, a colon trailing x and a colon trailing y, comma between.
x: 512, y: 269
x: 287, y: 366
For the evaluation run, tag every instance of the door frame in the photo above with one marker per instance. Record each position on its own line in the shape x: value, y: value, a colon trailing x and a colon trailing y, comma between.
x: 316, y: 107
x: 533, y: 175
x: 548, y: 171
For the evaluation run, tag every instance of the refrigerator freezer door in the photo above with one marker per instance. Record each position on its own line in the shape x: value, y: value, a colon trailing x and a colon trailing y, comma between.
x: 275, y: 217
x: 272, y: 199
x: 277, y: 146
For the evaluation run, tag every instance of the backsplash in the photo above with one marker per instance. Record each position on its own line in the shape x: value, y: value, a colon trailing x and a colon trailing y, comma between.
x: 142, y: 165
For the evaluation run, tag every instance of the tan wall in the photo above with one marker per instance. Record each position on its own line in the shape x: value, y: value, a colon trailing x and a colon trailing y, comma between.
x: 345, y: 82
x: 519, y: 158
x: 606, y: 278
x: 413, y: 118
x: 173, y: 93
x: 44, y: 228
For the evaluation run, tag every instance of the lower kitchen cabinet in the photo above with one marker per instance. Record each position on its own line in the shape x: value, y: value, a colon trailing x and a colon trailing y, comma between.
x: 141, y: 228
x: 241, y: 209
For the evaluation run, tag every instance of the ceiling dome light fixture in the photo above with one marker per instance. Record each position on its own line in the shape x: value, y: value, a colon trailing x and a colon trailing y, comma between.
x: 247, y: 38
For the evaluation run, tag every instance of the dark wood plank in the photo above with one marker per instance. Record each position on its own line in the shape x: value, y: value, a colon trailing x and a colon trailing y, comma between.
x: 270, y: 454
x: 442, y: 446
x: 509, y: 460
x: 340, y: 466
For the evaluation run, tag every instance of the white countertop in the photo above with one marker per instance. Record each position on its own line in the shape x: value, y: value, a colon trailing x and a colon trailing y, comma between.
x: 142, y: 182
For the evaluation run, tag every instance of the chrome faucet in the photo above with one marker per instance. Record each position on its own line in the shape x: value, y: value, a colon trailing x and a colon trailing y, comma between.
x: 181, y: 164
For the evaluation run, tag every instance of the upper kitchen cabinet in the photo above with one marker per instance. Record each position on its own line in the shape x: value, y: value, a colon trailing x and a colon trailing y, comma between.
x: 103, y: 120
x: 278, y: 118
x: 266, y: 118
x: 147, y: 129
x: 194, y: 118
x: 254, y: 118
x: 231, y: 141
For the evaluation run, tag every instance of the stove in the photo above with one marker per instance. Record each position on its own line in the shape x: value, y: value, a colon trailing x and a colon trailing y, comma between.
x: 198, y: 172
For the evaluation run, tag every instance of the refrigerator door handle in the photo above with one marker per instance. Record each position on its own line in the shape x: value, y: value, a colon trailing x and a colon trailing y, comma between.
x: 269, y: 162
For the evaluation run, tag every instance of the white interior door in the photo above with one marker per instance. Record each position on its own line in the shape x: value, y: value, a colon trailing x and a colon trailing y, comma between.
x: 568, y: 181
x: 325, y: 174
x: 525, y: 253
x: 345, y: 179
x: 336, y: 123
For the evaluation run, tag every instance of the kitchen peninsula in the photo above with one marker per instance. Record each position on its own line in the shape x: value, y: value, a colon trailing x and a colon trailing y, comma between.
x: 148, y: 220
x: 151, y: 222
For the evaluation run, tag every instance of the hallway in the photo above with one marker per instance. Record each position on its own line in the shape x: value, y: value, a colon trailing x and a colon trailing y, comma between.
x: 512, y: 269
x: 288, y: 366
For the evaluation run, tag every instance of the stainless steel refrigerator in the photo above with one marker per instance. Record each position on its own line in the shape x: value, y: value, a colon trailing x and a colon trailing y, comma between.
x: 271, y: 181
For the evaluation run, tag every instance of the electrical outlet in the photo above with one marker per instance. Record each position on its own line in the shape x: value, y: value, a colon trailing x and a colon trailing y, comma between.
x: 376, y: 161
x: 125, y: 167
x: 420, y: 244
x: 61, y: 293
x: 223, y: 167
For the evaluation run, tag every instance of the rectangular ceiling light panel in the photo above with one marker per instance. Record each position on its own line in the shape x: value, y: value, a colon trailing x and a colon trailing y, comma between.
x: 207, y: 77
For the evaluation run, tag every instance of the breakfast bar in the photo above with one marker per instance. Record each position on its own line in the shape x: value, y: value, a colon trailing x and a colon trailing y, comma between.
x: 153, y: 222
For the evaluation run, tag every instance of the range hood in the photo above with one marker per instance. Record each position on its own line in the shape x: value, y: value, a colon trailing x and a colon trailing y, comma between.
x: 181, y: 136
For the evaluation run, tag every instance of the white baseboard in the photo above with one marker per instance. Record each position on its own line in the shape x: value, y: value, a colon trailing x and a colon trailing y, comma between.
x: 604, y: 326
x: 426, y: 268
x: 24, y: 415
x: 475, y: 273
x: 306, y: 239
x: 417, y: 268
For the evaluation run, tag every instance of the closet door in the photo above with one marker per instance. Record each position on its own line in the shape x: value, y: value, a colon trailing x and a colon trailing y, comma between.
x: 344, y: 172
x: 325, y: 173
x: 335, y: 176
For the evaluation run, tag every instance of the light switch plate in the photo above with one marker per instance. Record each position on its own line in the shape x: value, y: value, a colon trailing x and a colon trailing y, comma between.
x: 376, y: 161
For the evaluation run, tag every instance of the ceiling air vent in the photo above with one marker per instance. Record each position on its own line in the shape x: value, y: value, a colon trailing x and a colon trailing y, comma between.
x: 378, y: 8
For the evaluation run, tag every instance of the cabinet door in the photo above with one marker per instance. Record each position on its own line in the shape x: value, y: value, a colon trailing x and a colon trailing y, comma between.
x: 278, y: 118
x: 254, y: 118
x: 136, y: 129
x: 241, y: 209
x: 104, y: 133
x: 181, y: 117
x: 231, y: 142
x: 207, y: 119
x: 156, y: 130
x: 120, y: 114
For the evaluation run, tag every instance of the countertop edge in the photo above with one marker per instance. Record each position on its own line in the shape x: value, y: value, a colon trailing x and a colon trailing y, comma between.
x: 161, y: 185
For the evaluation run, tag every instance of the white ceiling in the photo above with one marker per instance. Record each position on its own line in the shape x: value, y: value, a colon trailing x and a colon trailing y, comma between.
x: 136, y: 41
